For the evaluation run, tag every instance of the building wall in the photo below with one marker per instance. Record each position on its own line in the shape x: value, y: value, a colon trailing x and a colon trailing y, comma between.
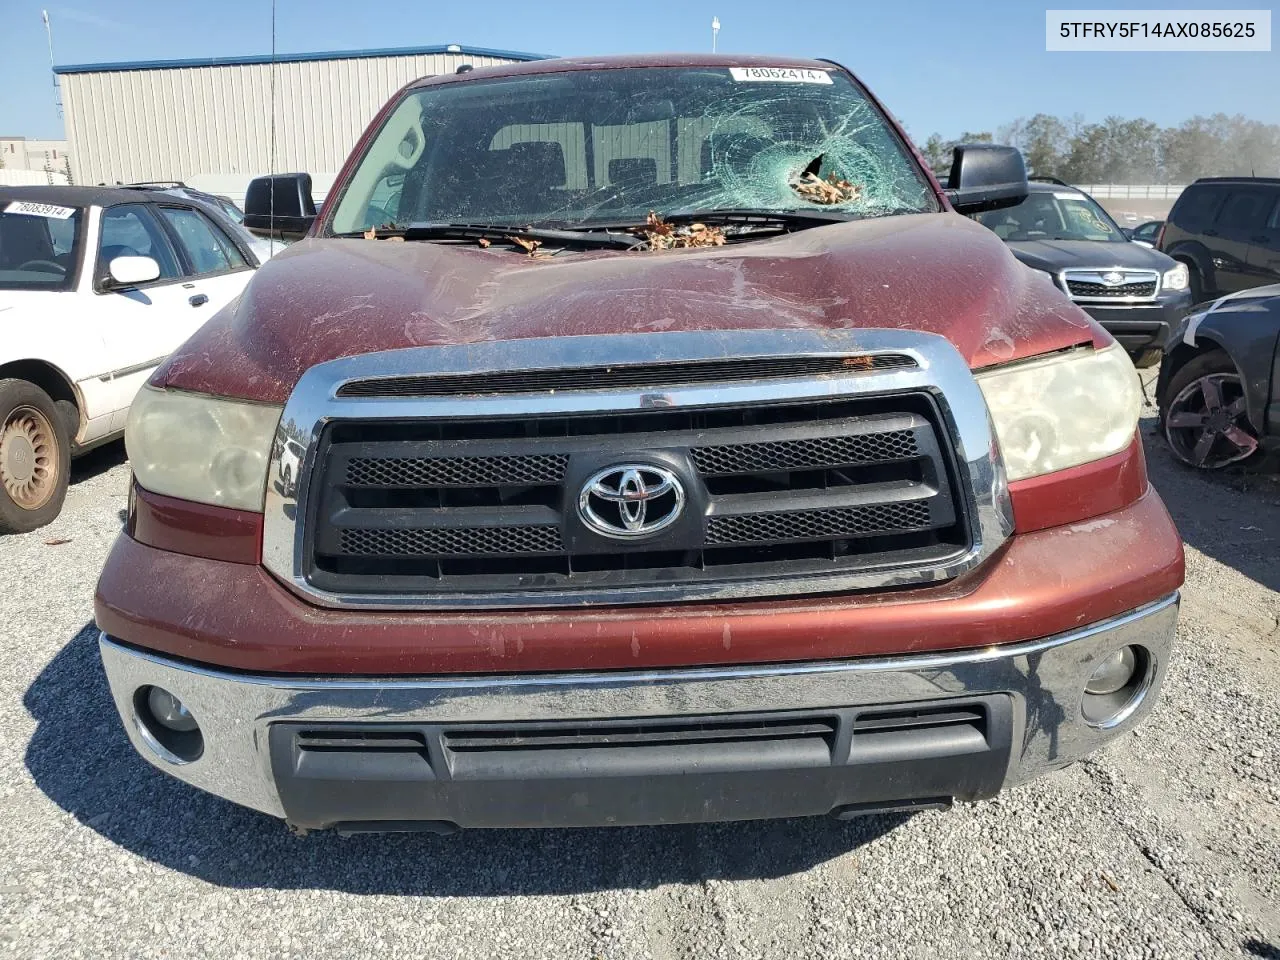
x: 19, y: 153
x: 179, y: 122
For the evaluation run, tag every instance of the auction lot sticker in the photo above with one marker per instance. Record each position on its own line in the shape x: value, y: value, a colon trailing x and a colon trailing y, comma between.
x: 1227, y: 31
x: 779, y: 75
x: 48, y: 210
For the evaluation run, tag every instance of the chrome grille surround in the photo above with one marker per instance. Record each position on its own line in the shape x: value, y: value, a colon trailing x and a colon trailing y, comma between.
x: 940, y: 372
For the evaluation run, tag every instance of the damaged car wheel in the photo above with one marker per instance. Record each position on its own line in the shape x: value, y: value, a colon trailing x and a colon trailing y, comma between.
x: 1205, y: 417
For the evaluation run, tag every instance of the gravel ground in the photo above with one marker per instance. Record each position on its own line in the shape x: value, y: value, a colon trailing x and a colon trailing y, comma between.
x: 1165, y: 845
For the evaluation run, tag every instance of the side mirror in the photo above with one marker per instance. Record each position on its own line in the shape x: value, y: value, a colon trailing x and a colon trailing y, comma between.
x: 986, y: 177
x: 279, y: 207
x: 131, y: 271
x: 1128, y: 232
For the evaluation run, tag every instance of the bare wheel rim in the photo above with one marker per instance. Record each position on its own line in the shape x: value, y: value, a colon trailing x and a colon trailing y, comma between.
x: 28, y: 458
x: 1207, y: 424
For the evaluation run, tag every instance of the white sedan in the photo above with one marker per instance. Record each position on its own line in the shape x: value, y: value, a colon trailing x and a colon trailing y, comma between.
x: 97, y: 286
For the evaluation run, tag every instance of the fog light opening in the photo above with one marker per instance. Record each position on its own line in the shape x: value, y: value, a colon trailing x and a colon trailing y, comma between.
x: 1117, y: 686
x: 167, y: 726
x: 1113, y: 674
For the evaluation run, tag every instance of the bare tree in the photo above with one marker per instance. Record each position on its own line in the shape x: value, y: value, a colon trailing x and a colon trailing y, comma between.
x: 1120, y: 150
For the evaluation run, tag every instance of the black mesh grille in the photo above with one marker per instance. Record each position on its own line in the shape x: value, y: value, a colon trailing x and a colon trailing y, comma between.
x: 818, y: 524
x: 636, y: 375
x: 458, y: 541
x: 792, y: 454
x: 455, y: 471
x: 1082, y: 288
x: 439, y: 508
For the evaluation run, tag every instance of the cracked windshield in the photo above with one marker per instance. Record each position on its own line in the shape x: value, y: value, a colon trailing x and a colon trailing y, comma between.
x: 594, y: 147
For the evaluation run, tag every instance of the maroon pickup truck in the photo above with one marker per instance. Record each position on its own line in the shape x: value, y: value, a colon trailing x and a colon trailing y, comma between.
x: 636, y: 441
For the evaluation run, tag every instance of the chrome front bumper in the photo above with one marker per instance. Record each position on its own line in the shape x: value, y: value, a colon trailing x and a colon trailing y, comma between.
x: 1045, y: 679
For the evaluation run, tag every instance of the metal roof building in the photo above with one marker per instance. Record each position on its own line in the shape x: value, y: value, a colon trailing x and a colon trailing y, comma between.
x: 194, y: 120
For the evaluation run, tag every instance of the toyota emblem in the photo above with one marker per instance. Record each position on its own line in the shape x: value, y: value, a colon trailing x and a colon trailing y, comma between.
x: 631, y: 500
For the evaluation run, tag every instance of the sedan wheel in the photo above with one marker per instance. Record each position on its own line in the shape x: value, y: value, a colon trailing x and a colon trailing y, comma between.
x: 29, y: 464
x: 1206, y: 423
x: 35, y: 457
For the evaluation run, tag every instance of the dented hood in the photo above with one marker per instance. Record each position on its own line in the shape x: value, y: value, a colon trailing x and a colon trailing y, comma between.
x: 329, y: 298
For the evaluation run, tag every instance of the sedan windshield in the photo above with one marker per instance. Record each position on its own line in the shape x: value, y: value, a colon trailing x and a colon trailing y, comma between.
x: 1060, y: 215
x: 586, y: 147
x: 38, y: 244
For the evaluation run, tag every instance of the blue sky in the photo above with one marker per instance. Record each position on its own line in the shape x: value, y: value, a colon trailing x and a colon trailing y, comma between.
x: 944, y: 67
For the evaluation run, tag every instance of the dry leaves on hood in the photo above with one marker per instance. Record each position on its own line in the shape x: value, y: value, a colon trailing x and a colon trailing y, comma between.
x: 660, y: 235
x: 531, y: 247
x: 831, y: 190
x: 372, y: 234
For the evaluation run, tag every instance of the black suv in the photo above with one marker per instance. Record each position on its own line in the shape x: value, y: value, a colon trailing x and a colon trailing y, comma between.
x: 1137, y: 293
x: 1227, y: 231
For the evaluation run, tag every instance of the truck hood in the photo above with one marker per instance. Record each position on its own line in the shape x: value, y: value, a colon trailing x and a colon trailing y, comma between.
x: 327, y: 298
x: 1055, y: 255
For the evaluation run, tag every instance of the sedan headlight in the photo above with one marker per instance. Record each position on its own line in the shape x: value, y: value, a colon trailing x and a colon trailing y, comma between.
x: 1177, y: 278
x: 1063, y: 410
x: 201, y: 448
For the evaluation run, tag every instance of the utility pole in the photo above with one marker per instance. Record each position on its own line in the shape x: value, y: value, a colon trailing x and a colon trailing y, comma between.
x: 715, y: 29
x: 57, y: 90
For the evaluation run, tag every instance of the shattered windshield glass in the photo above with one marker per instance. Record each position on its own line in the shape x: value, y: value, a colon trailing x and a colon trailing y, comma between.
x: 587, y: 147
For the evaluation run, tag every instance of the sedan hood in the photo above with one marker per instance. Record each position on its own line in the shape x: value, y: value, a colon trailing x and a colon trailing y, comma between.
x: 1055, y: 255
x: 328, y: 298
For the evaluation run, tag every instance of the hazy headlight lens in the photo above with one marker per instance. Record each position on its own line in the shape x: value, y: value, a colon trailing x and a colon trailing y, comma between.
x: 1177, y: 278
x: 1064, y: 410
x: 201, y: 448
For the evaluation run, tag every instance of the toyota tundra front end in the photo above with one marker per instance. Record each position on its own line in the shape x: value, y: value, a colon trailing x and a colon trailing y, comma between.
x: 638, y: 441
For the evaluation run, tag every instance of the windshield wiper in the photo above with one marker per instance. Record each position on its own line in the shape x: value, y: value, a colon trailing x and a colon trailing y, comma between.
x: 747, y: 219
x: 482, y: 231
x: 602, y: 235
x: 753, y: 217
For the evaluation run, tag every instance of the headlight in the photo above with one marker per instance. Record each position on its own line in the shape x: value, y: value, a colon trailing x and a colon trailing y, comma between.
x: 201, y: 448
x: 1177, y: 278
x: 1063, y: 410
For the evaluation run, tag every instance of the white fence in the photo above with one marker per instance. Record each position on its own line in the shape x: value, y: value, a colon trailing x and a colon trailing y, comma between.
x: 31, y: 178
x: 1132, y: 191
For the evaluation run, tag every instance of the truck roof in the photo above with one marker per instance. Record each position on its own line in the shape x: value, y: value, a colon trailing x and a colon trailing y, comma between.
x: 627, y: 60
